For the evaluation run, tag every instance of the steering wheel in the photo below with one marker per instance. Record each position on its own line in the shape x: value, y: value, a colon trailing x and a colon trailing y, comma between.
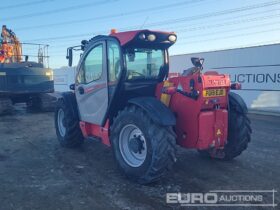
x: 131, y: 72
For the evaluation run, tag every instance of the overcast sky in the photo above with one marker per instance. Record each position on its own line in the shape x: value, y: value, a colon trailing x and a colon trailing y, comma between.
x: 201, y: 25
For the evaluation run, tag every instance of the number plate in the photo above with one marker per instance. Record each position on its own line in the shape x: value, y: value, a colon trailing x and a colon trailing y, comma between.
x: 214, y: 92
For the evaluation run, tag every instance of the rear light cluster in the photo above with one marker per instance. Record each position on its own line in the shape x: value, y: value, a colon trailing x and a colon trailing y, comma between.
x: 235, y: 86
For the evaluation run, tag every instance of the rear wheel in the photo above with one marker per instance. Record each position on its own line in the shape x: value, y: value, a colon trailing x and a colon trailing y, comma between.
x: 67, y: 126
x: 239, y: 129
x: 143, y: 149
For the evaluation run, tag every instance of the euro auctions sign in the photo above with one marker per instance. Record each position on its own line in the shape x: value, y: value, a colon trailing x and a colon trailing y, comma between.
x: 265, y: 77
x: 264, y: 198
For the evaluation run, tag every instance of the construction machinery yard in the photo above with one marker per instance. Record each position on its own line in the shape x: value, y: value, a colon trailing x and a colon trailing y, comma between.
x: 124, y: 98
x: 36, y: 173
x: 139, y: 122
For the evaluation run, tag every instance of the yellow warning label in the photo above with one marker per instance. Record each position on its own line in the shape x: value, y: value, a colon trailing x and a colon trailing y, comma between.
x: 165, y: 98
x: 219, y: 132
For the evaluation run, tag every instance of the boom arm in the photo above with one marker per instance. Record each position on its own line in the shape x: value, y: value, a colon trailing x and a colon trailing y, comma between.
x: 11, y: 46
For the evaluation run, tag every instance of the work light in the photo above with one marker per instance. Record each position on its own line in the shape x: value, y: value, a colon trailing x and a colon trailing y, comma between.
x: 151, y: 37
x: 172, y: 38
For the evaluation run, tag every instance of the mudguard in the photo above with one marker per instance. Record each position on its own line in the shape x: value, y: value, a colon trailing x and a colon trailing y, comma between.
x: 159, y: 113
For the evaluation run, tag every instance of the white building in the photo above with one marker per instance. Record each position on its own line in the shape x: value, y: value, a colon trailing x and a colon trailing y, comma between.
x: 63, y: 78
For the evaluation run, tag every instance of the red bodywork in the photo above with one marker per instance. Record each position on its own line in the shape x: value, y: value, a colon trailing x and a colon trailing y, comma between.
x: 129, y: 36
x: 91, y: 130
x: 125, y: 37
x: 201, y: 123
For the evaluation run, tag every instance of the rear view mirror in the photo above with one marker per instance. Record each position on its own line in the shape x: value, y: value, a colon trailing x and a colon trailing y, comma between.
x: 131, y: 55
x: 198, y: 62
x: 69, y: 56
x: 72, y: 87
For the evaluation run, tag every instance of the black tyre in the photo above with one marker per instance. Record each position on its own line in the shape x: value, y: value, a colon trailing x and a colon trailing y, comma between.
x: 48, y: 102
x: 6, y: 106
x: 143, y: 149
x: 67, y: 125
x: 239, y: 129
x: 41, y: 103
x: 34, y: 104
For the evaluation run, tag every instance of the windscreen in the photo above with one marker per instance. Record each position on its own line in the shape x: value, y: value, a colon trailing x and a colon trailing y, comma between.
x: 143, y: 63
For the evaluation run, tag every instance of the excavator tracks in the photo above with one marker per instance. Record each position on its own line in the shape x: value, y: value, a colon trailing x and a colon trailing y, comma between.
x: 6, y: 106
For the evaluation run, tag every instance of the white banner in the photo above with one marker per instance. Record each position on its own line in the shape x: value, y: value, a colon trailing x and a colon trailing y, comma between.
x: 255, y: 77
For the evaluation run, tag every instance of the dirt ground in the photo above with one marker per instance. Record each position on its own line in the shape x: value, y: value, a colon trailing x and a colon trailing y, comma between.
x: 36, y: 173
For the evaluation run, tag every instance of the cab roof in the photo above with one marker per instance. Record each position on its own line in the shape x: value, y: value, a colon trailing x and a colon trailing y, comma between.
x: 133, y: 38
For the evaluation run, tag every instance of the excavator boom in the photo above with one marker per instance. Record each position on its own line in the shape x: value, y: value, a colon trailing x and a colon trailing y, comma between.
x: 11, y: 50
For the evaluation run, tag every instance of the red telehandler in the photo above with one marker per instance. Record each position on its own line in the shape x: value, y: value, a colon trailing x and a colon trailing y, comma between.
x: 122, y: 95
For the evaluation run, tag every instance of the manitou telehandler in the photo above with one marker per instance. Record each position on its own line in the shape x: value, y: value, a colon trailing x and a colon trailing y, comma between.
x: 123, y: 96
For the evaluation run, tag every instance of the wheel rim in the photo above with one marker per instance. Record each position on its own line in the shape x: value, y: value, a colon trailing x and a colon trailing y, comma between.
x: 60, y: 122
x: 132, y: 145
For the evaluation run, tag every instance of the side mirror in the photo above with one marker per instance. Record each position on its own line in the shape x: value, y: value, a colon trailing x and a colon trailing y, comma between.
x: 69, y: 56
x: 198, y: 62
x: 131, y: 55
x: 72, y: 87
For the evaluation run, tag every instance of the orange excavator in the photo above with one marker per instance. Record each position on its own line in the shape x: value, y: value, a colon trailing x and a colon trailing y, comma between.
x: 10, y: 47
x: 21, y: 80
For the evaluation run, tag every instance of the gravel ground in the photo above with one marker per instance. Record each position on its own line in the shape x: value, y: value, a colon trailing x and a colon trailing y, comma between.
x: 36, y: 173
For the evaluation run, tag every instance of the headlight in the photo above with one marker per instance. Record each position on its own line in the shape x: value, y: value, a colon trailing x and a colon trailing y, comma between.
x: 151, y: 37
x: 142, y: 36
x: 172, y: 38
x: 49, y: 73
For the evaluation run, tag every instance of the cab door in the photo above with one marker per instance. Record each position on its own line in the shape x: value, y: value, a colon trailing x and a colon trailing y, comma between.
x: 91, y: 84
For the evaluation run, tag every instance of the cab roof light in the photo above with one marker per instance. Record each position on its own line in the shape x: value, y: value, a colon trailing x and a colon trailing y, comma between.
x: 151, y: 37
x: 114, y: 31
x: 142, y: 36
x: 172, y: 38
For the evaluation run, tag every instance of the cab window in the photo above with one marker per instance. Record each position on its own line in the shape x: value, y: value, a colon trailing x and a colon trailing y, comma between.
x: 114, y: 61
x: 92, y: 66
x: 143, y: 63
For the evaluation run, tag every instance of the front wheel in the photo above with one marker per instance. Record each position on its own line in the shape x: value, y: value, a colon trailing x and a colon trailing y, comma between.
x: 143, y: 149
x: 67, y: 126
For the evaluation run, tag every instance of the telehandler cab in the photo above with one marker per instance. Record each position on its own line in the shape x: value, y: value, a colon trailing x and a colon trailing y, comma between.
x: 122, y: 95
